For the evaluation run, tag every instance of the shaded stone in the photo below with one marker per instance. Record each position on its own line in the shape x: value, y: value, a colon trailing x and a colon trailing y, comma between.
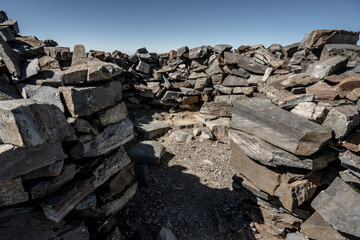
x: 347, y: 85
x: 270, y: 155
x: 111, y: 138
x: 12, y: 192
x: 350, y: 179
x: 315, y: 227
x: 171, y: 95
x: 279, y: 127
x: 230, y: 99
x: 223, y: 89
x: 336, y: 78
x: 10, y: 58
x: 196, y: 75
x: 311, y: 111
x: 291, y: 49
x: 181, y: 136
x: 352, y: 142
x: 143, y: 67
x: 354, y: 95
x: 292, y: 100
x: 347, y: 50
x: 241, y: 73
x: 318, y: 38
x: 82, y: 126
x: 59, y: 53
x: 12, y: 23
x: 189, y: 91
x: 43, y: 94
x: 25, y: 122
x: 59, y: 205
x: 165, y: 234
x: 51, y: 170
x: 339, y: 206
x: 151, y: 129
x: 219, y: 109
x: 234, y: 81
x: 322, y: 91
x: 147, y: 152
x: 28, y: 69
x: 322, y: 69
x: 198, y: 52
x: 221, y: 48
x: 342, y: 120
x: 6, y: 34
x: 201, y: 83
x: 351, y: 161
x: 114, y: 114
x: 182, y: 52
x: 80, y: 104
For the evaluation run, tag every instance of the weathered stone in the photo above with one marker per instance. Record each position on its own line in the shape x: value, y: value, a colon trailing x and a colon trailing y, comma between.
x: 339, y: 206
x: 189, y: 91
x: 196, y: 75
x: 111, y: 138
x: 347, y: 85
x: 201, y: 83
x: 291, y: 49
x: 347, y: 50
x: 270, y: 155
x: 47, y: 62
x: 25, y: 122
x: 293, y: 100
x: 279, y: 127
x: 113, y: 115
x: 17, y: 161
x: 241, y: 73
x: 171, y: 96
x: 318, y: 38
x: 81, y: 126
x: 181, y: 136
x: 350, y: 179
x: 221, y: 48
x: 28, y: 69
x: 150, y: 129
x: 80, y: 104
x: 322, y: 69
x: 51, y: 170
x: 182, y: 52
x: 234, y: 81
x: 219, y: 109
x: 198, y: 52
x: 12, y: 23
x: 322, y: 91
x: 336, y: 78
x: 249, y: 64
x: 230, y: 99
x: 296, y: 236
x: 12, y: 192
x: 6, y: 34
x: 143, y: 67
x: 46, y: 187
x: 165, y: 234
x: 43, y: 94
x: 7, y: 91
x: 315, y: 227
x: 223, y: 89
x: 354, y: 95
x: 352, y: 142
x: 219, y: 127
x: 10, y: 58
x: 147, y: 152
x: 342, y: 120
x: 59, y: 205
x: 350, y: 161
x: 243, y: 90
x: 231, y: 58
x: 311, y: 111
x: 79, y: 55
x: 59, y: 53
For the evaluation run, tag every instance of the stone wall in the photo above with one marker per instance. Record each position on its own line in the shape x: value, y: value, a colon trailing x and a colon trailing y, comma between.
x: 64, y: 125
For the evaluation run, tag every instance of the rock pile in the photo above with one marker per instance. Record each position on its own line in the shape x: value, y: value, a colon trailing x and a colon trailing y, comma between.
x: 295, y: 146
x: 63, y: 127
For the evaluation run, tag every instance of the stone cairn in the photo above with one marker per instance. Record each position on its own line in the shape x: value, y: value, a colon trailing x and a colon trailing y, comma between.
x: 64, y: 123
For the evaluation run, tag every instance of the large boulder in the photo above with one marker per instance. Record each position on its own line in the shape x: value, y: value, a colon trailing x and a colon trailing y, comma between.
x: 318, y: 38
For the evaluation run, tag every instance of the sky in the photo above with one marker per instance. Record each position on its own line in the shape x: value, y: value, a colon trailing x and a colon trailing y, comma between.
x: 163, y: 25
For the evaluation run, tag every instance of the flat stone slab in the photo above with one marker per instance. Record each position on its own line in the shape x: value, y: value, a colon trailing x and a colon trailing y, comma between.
x: 219, y: 109
x: 350, y: 161
x: 339, y: 205
x: 25, y: 123
x: 79, y: 103
x: 114, y: 114
x: 322, y: 69
x: 318, y: 38
x: 10, y: 58
x: 150, y: 129
x: 147, y: 152
x: 279, y: 127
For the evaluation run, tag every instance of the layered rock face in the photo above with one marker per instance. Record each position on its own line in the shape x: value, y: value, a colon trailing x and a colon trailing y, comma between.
x: 64, y: 123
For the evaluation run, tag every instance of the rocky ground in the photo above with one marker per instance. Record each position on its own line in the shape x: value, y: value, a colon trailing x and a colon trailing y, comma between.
x: 190, y: 193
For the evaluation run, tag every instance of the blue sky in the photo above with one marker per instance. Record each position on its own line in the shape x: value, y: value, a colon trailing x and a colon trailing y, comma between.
x: 161, y: 25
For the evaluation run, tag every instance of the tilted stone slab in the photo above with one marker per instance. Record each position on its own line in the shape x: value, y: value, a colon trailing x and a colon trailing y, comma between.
x: 16, y: 161
x: 339, y: 205
x: 83, y: 101
x: 350, y: 161
x: 10, y: 58
x: 318, y: 38
x: 279, y: 127
x: 25, y: 123
x: 322, y: 69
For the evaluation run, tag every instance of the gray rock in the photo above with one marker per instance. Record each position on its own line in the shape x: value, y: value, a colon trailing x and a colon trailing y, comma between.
x: 198, y: 52
x: 51, y: 170
x: 111, y: 138
x: 230, y: 99
x: 79, y: 55
x: 143, y: 67
x: 81, y: 126
x: 219, y: 109
x: 350, y: 161
x: 43, y: 94
x: 311, y: 111
x: 113, y: 115
x: 29, y: 69
x: 181, y: 136
x: 147, y: 152
x: 165, y: 234
x: 296, y: 236
x: 6, y: 34
x: 342, y: 120
x: 12, y: 192
x: 16, y: 161
x: 221, y: 48
x: 201, y: 83
x: 219, y: 127
x: 240, y: 72
x: 59, y: 53
x: 171, y: 96
x: 29, y: 123
x: 322, y: 69
x: 151, y: 129
x: 189, y: 91
x: 12, y: 23
x: 346, y: 50
x: 244, y: 62
x: 10, y: 58
x: 234, y: 81
x: 183, y: 52
x: 223, y: 89
x: 279, y: 127
x: 80, y: 104
x: 339, y: 206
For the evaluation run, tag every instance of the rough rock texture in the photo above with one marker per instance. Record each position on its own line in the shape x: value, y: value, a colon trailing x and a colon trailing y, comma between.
x: 147, y: 152
x: 327, y: 67
x: 318, y: 38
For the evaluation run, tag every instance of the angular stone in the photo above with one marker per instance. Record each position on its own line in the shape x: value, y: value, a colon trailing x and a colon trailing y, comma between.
x: 12, y: 192
x: 182, y: 52
x: 147, y: 152
x: 243, y: 90
x: 311, y: 111
x: 315, y: 227
x: 230, y: 99
x: 6, y: 34
x: 279, y: 127
x: 347, y: 85
x: 234, y: 81
x: 342, y: 120
x: 214, y: 66
x: 82, y: 126
x: 223, y: 89
x: 339, y: 206
x: 165, y: 234
x: 322, y: 69
x: 221, y: 48
x: 80, y: 104
x: 201, y: 83
x: 322, y: 91
x: 151, y: 129
x: 51, y: 170
x: 114, y: 114
x: 143, y: 67
x: 272, y: 156
x: 59, y: 205
x: 352, y: 142
x: 219, y: 109
x: 17, y: 161
x: 43, y: 188
x: 181, y: 136
x: 196, y: 75
x: 43, y: 94
x: 12, y: 23
x: 350, y: 179
x: 347, y: 50
x: 198, y: 52
x: 10, y: 58
x: 291, y: 49
x: 219, y: 127
x: 47, y: 63
x: 28, y: 69
x: 318, y: 38
x: 351, y: 161
x: 79, y: 55
x: 171, y: 96
x: 7, y: 91
x: 111, y: 138
x: 354, y: 95
x: 59, y: 53
x: 241, y: 73
x: 25, y: 122
x: 189, y: 91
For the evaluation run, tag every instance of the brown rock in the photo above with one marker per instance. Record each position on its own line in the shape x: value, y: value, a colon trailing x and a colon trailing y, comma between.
x: 318, y: 38
x: 352, y: 142
x: 47, y: 62
x: 347, y: 85
x: 322, y: 91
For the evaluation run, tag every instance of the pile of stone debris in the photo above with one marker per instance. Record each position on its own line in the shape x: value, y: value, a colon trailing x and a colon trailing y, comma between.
x: 64, y: 122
